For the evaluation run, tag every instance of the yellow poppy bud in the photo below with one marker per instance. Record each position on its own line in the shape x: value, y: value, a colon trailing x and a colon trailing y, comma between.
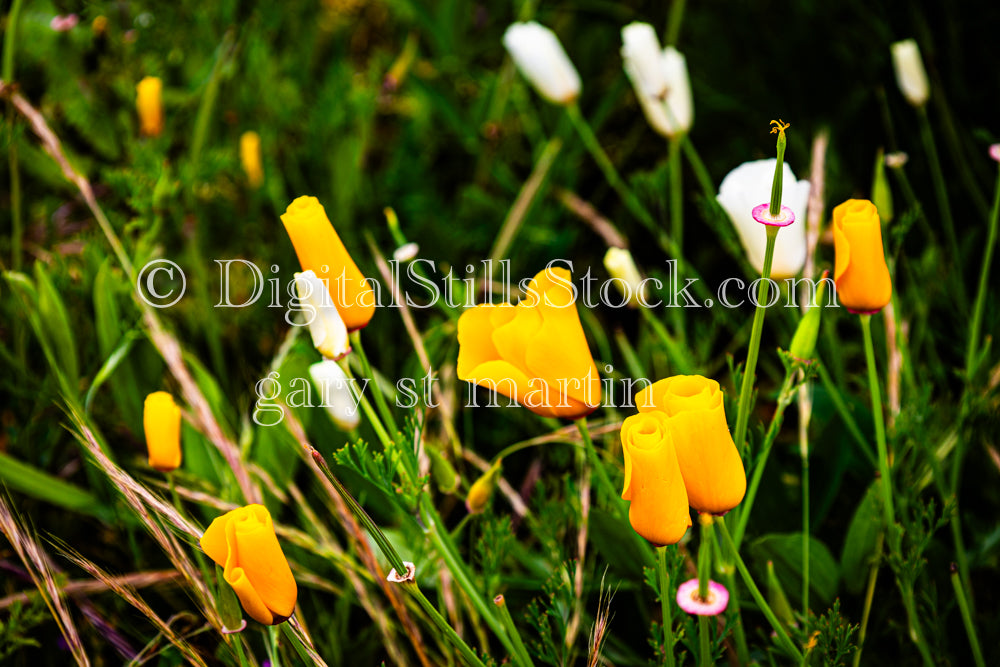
x: 243, y: 542
x: 250, y: 158
x: 482, y: 490
x: 149, y: 105
x: 321, y: 251
x: 653, y: 482
x: 860, y: 271
x: 534, y: 352
x: 712, y: 468
x: 161, y: 420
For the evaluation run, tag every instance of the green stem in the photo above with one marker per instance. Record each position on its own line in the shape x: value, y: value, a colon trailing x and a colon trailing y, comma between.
x: 595, y: 460
x: 805, y: 538
x: 523, y: 658
x: 677, y: 355
x: 445, y: 548
x: 984, y: 276
x: 784, y: 399
x: 941, y: 192
x: 604, y: 162
x: 743, y: 415
x: 383, y: 543
x: 779, y: 630
x: 369, y: 411
x: 238, y: 647
x: 676, y: 193
x: 845, y: 413
x: 704, y: 570
x: 916, y: 634
x: 704, y: 642
x: 883, y: 453
x: 668, y: 617
x: 869, y: 597
x: 963, y: 605
x: 383, y: 407
x: 207, y: 105
x: 674, y: 22
x: 779, y: 171
x: 470, y: 656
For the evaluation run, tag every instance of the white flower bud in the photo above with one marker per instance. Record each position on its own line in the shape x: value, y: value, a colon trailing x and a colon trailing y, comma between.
x: 329, y: 333
x: 660, y: 80
x: 336, y: 394
x: 749, y: 185
x: 541, y: 59
x: 621, y: 266
x: 406, y: 252
x: 910, y: 73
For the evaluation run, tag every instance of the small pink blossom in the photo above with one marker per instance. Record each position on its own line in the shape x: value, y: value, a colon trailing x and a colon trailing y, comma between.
x: 64, y: 23
x: 714, y: 604
x: 762, y: 214
x: 995, y: 152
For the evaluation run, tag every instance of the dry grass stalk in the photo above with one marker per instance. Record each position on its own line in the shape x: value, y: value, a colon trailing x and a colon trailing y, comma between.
x: 43, y: 575
x: 586, y: 212
x: 130, y: 595
x: 80, y: 587
x: 599, y: 631
x: 581, y: 552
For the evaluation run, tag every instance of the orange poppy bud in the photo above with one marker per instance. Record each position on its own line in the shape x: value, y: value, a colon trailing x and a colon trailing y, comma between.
x: 712, y: 468
x: 321, y: 251
x: 860, y: 271
x: 161, y: 420
x: 534, y: 352
x: 243, y: 542
x: 149, y: 106
x: 653, y: 482
x: 250, y: 158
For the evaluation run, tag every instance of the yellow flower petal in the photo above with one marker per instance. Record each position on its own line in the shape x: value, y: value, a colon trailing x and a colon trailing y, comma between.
x: 149, y: 106
x: 860, y: 271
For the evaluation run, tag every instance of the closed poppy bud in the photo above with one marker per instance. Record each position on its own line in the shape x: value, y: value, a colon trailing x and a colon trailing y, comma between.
x: 910, y: 73
x: 482, y: 489
x: 321, y: 251
x: 541, y: 59
x: 660, y: 79
x: 621, y: 267
x: 250, y: 158
x: 328, y: 331
x: 747, y: 186
x: 534, y: 352
x: 653, y: 481
x: 712, y: 468
x: 243, y: 542
x: 803, y: 345
x: 336, y: 394
x: 161, y: 420
x: 149, y: 105
x: 860, y: 271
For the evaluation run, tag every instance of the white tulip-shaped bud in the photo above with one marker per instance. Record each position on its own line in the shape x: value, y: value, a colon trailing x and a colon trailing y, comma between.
x: 660, y: 79
x: 329, y: 333
x: 621, y: 267
x: 541, y: 59
x: 910, y: 73
x: 746, y: 187
x: 336, y: 394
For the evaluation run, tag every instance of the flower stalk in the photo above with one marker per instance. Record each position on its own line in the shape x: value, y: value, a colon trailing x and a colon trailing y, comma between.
x: 523, y: 658
x: 668, y: 618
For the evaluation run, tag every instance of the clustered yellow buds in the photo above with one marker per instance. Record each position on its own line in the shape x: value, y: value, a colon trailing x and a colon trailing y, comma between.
x: 244, y: 543
x: 149, y: 106
x: 161, y: 421
x: 678, y: 452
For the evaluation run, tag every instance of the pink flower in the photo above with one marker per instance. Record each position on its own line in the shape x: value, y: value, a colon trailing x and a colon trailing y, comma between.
x: 995, y: 152
x: 64, y: 23
x: 689, y: 600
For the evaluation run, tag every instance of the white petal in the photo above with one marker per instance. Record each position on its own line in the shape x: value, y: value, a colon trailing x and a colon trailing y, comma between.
x: 336, y: 394
x: 540, y: 57
x: 329, y: 333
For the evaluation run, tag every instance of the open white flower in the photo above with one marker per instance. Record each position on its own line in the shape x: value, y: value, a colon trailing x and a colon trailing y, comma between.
x: 910, y: 73
x: 329, y: 333
x: 749, y: 185
x: 541, y: 59
x: 660, y: 79
x: 336, y: 394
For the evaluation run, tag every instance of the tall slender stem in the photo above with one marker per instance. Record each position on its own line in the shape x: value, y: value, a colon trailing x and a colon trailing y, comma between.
x: 676, y: 193
x: 366, y: 405
x: 869, y: 597
x: 941, y: 192
x: 470, y: 656
x: 970, y: 627
x: 743, y: 415
x: 779, y: 629
x: 595, y: 460
x: 984, y: 276
x: 383, y: 407
x: 523, y: 658
x: 668, y: 618
x: 705, y: 521
x: 883, y: 453
x: 805, y: 536
x: 17, y: 231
